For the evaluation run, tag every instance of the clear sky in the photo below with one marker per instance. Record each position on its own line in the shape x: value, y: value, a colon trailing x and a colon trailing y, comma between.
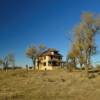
x: 26, y: 22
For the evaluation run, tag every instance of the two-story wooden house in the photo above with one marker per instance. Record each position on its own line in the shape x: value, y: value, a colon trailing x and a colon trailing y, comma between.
x: 49, y: 59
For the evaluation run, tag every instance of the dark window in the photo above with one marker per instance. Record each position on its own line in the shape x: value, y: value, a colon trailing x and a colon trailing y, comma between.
x: 44, y: 64
x: 49, y: 63
x: 51, y: 57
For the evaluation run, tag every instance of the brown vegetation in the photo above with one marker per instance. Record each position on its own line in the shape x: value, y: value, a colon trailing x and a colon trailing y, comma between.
x: 48, y: 85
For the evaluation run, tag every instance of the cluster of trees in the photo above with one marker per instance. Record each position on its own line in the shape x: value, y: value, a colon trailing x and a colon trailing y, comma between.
x: 8, y: 61
x: 83, y: 45
x: 34, y: 51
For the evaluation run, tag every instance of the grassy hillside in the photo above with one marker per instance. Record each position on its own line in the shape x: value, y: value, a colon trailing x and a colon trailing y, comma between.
x: 50, y: 85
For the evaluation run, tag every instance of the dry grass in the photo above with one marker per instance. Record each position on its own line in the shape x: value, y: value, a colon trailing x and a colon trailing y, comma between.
x: 49, y: 85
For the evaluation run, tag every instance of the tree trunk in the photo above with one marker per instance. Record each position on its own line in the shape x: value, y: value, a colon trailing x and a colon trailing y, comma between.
x: 86, y: 70
x: 33, y: 60
x: 81, y: 66
x: 38, y: 64
x: 86, y: 65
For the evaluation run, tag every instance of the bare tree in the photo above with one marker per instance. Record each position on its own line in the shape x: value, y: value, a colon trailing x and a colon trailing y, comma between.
x: 32, y: 54
x: 11, y: 59
x: 1, y: 62
x: 84, y: 39
x: 41, y: 48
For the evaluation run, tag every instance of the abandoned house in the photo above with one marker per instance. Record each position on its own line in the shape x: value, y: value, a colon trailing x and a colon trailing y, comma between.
x: 49, y: 59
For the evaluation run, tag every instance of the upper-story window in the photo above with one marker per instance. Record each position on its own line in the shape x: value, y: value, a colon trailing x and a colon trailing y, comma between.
x: 52, y: 53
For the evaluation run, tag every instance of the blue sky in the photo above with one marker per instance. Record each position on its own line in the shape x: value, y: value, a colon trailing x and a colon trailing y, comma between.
x: 26, y: 22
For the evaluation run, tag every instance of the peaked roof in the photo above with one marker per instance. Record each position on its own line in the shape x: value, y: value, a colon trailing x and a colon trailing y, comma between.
x: 48, y: 52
